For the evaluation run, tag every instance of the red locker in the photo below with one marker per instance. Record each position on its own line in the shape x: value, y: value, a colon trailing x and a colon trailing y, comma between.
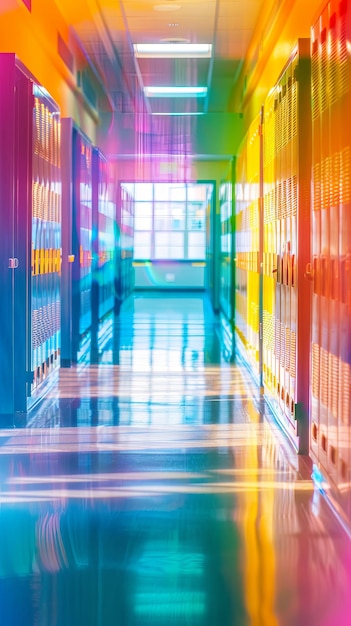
x: 331, y: 245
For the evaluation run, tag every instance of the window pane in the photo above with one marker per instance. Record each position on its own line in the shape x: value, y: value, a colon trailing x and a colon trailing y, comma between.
x: 143, y: 191
x: 143, y: 216
x: 177, y: 239
x: 178, y: 192
x: 142, y: 253
x: 142, y: 245
x: 177, y: 216
x: 161, y: 191
x: 196, y: 252
x: 170, y: 191
x: 176, y: 252
x: 161, y: 216
x: 196, y: 239
x: 161, y: 245
x: 161, y: 252
x: 196, y: 245
x: 196, y: 216
x: 176, y: 246
x: 169, y: 245
x: 197, y: 193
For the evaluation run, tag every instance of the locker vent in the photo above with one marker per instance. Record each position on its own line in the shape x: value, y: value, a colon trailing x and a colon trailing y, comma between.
x: 315, y: 370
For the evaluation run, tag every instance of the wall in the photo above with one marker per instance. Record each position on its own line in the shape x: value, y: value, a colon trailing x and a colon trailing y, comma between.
x: 211, y: 136
x: 34, y: 37
x: 274, y: 39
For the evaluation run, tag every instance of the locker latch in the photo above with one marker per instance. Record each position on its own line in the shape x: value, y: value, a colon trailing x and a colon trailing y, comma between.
x: 13, y: 263
x: 309, y: 273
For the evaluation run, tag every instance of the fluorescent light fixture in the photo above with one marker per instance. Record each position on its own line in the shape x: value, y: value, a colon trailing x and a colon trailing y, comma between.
x: 173, y: 50
x: 181, y: 113
x: 175, y: 92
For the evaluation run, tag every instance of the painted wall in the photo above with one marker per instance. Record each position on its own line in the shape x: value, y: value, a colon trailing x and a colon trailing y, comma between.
x: 212, y: 135
x: 34, y: 37
x: 276, y: 35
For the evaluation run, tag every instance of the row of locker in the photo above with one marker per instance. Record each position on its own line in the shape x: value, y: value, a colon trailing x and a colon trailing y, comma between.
x: 62, y: 262
x: 290, y: 236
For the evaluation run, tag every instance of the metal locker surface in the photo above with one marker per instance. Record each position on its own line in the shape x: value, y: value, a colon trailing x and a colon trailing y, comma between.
x: 30, y: 187
x: 46, y: 237
x: 104, y: 228
x: 81, y: 240
x: 286, y: 295
x: 226, y: 249
x: 247, y: 233
x: 330, y: 240
x: 125, y: 219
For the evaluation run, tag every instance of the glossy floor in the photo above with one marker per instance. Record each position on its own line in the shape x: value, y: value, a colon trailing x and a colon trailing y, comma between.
x: 152, y: 488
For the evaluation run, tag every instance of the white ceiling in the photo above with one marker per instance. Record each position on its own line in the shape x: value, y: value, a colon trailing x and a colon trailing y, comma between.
x: 108, y: 28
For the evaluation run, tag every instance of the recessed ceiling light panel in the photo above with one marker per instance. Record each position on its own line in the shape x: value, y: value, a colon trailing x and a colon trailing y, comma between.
x: 175, y: 92
x: 173, y: 50
x: 181, y: 113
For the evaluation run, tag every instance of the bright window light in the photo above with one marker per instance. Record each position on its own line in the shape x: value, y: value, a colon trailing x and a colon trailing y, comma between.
x: 165, y: 92
x: 173, y: 50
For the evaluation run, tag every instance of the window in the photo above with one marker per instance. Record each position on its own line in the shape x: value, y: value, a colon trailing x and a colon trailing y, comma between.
x: 170, y: 220
x: 169, y: 246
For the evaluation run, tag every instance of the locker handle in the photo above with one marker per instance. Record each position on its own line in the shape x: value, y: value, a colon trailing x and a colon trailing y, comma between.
x: 13, y: 263
x: 309, y: 273
x: 71, y: 258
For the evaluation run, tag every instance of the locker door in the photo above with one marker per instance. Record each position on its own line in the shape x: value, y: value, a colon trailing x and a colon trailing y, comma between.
x: 15, y: 227
x: 340, y: 117
x: 247, y: 242
x: 331, y: 236
x: 67, y: 246
x: 29, y: 315
x: 22, y: 339
x: 77, y: 253
x: 81, y: 240
x: 45, y: 238
x: 286, y: 295
x: 8, y: 264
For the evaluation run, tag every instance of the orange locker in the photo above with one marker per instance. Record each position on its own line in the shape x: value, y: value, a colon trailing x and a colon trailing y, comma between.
x: 286, y: 245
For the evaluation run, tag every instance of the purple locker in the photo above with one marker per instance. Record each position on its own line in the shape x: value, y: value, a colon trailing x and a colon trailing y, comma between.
x: 30, y: 214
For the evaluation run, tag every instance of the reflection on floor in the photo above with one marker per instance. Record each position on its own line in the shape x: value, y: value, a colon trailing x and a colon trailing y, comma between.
x: 152, y: 488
